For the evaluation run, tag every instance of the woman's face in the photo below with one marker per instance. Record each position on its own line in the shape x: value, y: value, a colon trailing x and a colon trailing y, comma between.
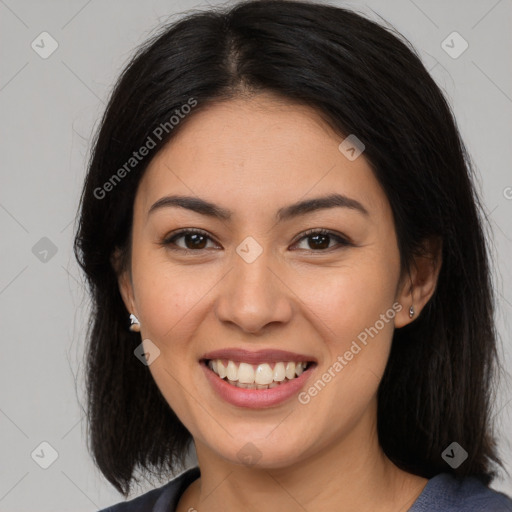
x: 254, y: 284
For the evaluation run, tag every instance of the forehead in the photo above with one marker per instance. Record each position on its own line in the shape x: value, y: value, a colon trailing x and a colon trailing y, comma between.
x: 250, y: 154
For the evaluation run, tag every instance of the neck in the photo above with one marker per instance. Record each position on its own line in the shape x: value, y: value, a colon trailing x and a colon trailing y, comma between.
x: 352, y: 474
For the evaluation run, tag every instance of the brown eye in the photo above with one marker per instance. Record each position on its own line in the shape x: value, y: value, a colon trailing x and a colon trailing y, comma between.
x: 319, y: 239
x: 194, y: 240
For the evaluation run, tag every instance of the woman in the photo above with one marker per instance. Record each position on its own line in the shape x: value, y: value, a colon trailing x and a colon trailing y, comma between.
x: 280, y: 201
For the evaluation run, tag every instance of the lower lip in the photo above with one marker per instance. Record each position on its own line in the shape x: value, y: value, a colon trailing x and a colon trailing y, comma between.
x: 256, y: 398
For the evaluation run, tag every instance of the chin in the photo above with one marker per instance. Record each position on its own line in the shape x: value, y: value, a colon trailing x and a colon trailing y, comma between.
x: 262, y: 452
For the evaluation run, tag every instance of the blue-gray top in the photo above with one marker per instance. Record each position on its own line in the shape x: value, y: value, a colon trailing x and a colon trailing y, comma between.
x: 443, y: 493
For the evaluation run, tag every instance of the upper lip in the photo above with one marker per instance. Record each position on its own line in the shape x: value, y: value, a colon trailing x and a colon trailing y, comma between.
x: 257, y: 356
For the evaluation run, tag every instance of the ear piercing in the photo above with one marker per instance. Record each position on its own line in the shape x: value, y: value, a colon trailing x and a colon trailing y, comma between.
x: 135, y: 324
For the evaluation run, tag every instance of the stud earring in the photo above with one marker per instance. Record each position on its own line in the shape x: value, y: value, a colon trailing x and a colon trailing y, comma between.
x: 135, y: 325
x: 411, y: 312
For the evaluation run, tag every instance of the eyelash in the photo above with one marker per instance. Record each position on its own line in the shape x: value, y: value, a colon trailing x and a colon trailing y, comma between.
x: 168, y: 241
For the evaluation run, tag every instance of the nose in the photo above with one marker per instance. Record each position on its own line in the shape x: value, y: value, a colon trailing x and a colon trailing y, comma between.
x: 254, y: 295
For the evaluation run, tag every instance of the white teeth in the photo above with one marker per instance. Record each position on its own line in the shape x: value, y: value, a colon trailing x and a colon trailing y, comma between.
x: 262, y: 376
x: 232, y: 371
x: 279, y: 372
x: 221, y: 369
x: 246, y: 373
x: 290, y: 370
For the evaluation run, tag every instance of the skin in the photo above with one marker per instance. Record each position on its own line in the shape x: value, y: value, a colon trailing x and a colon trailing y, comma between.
x: 253, y: 156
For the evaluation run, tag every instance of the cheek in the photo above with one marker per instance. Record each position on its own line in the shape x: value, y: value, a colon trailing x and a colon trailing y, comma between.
x: 167, y: 294
x: 169, y: 302
x: 350, y: 297
x: 352, y: 308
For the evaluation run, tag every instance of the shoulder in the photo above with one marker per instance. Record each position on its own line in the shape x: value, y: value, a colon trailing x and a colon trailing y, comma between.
x: 446, y: 493
x: 164, y: 498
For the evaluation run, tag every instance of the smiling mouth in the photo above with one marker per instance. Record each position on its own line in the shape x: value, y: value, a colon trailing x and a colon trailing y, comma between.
x: 257, y: 376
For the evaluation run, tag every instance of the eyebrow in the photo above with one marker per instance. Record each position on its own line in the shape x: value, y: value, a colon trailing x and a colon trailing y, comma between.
x: 209, y: 209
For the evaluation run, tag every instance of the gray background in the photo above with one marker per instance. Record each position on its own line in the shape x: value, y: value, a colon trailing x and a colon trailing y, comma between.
x: 50, y: 108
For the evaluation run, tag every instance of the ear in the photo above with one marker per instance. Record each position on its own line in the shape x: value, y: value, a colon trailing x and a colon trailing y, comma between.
x: 124, y: 280
x: 417, y: 287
